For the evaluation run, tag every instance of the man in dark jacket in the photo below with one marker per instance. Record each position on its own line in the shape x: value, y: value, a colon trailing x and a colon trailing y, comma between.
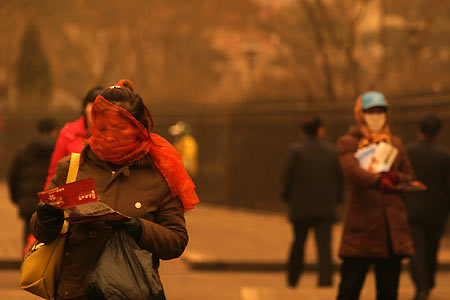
x: 428, y: 210
x: 313, y: 186
x: 29, y: 168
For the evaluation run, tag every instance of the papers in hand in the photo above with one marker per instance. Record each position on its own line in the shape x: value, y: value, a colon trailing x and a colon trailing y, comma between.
x: 80, y: 201
x: 377, y: 158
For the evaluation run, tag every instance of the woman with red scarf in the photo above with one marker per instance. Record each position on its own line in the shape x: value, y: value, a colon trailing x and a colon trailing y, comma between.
x: 137, y: 173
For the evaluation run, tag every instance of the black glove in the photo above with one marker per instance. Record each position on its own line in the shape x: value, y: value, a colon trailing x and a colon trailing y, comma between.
x: 133, y: 227
x: 49, y: 215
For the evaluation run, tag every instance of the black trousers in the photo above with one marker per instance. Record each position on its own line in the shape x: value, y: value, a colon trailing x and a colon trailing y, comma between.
x: 354, y: 271
x: 426, y: 237
x: 322, y: 230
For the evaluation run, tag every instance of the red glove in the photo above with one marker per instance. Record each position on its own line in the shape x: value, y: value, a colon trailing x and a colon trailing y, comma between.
x: 391, y: 176
x: 385, y: 185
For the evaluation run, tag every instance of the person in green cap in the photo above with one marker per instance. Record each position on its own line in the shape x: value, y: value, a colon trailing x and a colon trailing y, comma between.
x: 376, y: 230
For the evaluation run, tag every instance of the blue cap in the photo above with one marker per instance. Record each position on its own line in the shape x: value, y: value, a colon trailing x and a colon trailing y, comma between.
x: 372, y: 99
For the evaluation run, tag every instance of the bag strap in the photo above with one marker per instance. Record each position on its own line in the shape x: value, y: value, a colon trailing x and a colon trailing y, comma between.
x: 71, y: 177
x: 73, y: 167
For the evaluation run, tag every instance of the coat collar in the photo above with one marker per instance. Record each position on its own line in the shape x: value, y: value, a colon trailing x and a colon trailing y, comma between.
x: 104, y: 165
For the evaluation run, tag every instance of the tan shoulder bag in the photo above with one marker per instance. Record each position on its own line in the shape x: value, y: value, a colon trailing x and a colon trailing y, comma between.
x: 40, y: 269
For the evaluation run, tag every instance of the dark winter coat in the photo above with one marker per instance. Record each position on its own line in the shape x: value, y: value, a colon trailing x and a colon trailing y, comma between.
x: 28, y: 172
x: 313, y: 181
x: 135, y: 190
x: 432, y: 166
x: 372, y: 216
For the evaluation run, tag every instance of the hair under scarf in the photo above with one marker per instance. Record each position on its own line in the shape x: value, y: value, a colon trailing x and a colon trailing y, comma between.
x: 163, y: 154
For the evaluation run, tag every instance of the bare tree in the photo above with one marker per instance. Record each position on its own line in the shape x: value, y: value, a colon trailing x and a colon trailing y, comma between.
x: 319, y: 43
x: 164, y: 46
x: 334, y: 50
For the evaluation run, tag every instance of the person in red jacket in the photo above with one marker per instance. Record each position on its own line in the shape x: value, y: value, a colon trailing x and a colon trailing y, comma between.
x: 73, y: 135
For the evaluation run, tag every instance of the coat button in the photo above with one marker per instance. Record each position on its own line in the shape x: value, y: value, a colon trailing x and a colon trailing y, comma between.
x: 138, y: 205
x: 92, y: 234
x: 113, y: 172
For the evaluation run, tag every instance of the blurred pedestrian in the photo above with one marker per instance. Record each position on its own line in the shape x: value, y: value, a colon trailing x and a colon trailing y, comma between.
x: 186, y: 145
x: 428, y: 210
x: 313, y: 187
x: 29, y: 169
x: 376, y: 230
x: 74, y: 135
x: 138, y: 174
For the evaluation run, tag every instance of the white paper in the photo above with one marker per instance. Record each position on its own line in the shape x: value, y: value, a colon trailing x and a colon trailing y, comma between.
x: 377, y: 158
x: 90, y: 209
x: 365, y: 156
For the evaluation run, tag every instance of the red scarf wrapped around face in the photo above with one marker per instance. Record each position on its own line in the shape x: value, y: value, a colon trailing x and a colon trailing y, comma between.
x: 119, y: 138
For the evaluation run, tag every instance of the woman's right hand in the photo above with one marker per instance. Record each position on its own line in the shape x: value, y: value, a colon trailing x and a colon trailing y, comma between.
x: 49, y: 215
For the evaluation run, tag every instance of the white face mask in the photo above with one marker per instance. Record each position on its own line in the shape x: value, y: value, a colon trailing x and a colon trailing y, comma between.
x: 375, y: 122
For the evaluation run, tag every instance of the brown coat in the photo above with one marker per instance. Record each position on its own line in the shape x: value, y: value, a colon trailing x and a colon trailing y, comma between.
x: 164, y: 233
x: 371, y: 212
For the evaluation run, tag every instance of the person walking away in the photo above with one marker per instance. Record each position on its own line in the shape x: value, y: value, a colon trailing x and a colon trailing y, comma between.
x: 375, y: 230
x: 428, y: 210
x: 74, y: 135
x: 28, y: 170
x: 186, y: 145
x: 313, y: 185
x: 137, y: 173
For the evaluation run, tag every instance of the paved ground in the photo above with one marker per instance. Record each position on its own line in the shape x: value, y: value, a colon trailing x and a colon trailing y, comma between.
x: 224, y: 238
x: 232, y: 255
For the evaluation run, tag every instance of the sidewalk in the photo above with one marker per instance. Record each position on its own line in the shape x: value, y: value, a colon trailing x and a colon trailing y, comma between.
x: 235, y: 239
x: 11, y: 228
x: 232, y: 255
x: 221, y: 238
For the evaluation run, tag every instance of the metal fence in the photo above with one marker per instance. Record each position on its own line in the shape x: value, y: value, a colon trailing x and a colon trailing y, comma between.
x: 243, y: 147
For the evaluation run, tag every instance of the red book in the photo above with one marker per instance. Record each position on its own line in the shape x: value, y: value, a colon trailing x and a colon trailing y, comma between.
x: 71, y: 194
x: 80, y: 201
